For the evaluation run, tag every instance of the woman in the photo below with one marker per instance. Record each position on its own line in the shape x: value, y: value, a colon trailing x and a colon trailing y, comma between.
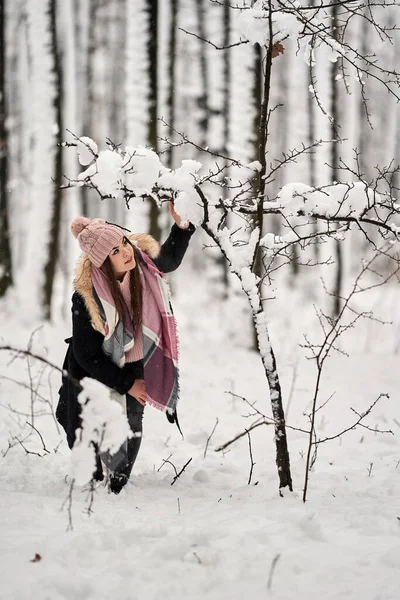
x: 123, y: 329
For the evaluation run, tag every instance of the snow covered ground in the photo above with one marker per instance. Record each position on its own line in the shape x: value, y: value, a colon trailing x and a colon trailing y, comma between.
x: 211, y: 535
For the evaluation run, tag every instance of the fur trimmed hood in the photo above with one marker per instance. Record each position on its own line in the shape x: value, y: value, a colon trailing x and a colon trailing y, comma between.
x: 83, y: 276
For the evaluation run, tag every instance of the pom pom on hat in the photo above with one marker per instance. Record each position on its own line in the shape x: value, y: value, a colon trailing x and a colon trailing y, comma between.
x: 96, y: 238
x: 78, y: 225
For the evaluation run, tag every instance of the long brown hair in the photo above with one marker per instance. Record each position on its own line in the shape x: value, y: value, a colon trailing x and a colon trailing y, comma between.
x: 135, y: 288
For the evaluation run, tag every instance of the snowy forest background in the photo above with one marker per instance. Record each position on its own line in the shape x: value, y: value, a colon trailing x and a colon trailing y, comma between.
x: 186, y: 79
x: 121, y: 70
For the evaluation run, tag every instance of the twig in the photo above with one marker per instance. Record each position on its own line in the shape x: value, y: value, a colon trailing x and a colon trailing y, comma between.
x: 181, y: 471
x: 12, y: 445
x: 167, y: 461
x: 209, y: 437
x: 68, y: 500
x: 24, y: 385
x: 251, y: 458
x: 40, y: 435
x: 240, y: 435
x: 44, y: 360
x: 26, y: 450
x: 240, y: 43
x: 358, y: 422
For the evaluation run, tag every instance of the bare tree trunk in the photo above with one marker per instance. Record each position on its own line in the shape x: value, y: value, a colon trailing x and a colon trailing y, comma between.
x: 334, y: 164
x: 152, y: 9
x: 89, y: 88
x: 5, y: 247
x: 268, y: 357
x: 311, y: 140
x: 257, y: 100
x: 362, y: 142
x: 271, y: 372
x: 227, y: 78
x: 172, y: 77
x: 203, y: 100
x: 53, y: 249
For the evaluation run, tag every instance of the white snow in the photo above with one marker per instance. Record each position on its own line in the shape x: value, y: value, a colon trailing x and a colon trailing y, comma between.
x: 104, y: 423
x: 183, y: 180
x: 142, y: 168
x: 211, y: 535
x: 87, y: 150
x: 253, y: 23
x: 109, y: 176
x: 338, y: 200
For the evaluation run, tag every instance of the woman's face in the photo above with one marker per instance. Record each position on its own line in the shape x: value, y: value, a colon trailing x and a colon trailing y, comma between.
x: 122, y: 258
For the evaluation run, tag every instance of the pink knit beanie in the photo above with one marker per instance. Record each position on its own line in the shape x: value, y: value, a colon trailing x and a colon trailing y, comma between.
x: 96, y: 238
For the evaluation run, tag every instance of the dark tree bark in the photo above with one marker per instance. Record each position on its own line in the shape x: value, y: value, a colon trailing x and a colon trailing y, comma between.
x: 227, y: 91
x: 5, y: 247
x: 362, y: 142
x: 311, y: 140
x: 335, y: 162
x: 227, y: 74
x: 203, y: 99
x: 269, y: 362
x: 257, y: 94
x: 53, y: 250
x: 152, y: 8
x: 172, y: 76
x: 152, y: 48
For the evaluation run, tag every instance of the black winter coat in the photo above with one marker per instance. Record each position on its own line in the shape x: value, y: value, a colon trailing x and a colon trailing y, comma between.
x: 85, y: 357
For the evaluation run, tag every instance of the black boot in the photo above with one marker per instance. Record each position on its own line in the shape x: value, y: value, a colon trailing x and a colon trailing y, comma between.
x: 117, y: 482
x: 98, y: 474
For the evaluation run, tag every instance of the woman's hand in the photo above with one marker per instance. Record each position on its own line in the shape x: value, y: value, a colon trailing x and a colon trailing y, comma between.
x: 138, y: 391
x: 177, y: 218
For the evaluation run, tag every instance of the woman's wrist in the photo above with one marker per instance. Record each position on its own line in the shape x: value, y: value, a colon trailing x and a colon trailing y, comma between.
x: 185, y: 225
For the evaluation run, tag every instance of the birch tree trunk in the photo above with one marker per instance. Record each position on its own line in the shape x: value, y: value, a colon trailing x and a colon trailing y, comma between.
x: 136, y: 90
x: 41, y: 121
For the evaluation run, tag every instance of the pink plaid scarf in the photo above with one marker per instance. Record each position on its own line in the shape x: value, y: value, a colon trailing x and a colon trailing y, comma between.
x: 160, y: 340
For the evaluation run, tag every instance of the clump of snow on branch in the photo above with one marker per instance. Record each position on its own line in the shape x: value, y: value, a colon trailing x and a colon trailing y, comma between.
x: 132, y: 173
x: 254, y: 167
x: 264, y: 342
x: 87, y: 150
x: 103, y: 423
x: 337, y: 200
x: 142, y: 168
x: 271, y: 241
x: 240, y: 254
x: 182, y: 181
x: 253, y: 23
x: 249, y: 283
x: 109, y: 177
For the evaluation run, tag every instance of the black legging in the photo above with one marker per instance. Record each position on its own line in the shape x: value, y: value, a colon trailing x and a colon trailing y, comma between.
x: 121, y: 463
